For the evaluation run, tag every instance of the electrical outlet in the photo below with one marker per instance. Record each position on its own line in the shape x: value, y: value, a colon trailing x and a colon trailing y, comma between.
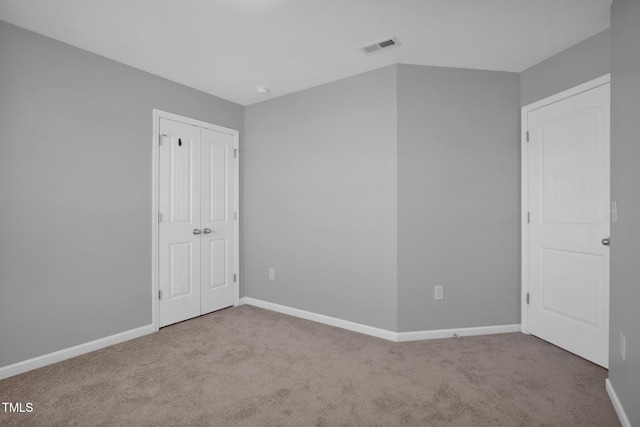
x: 438, y: 292
x: 272, y: 273
x: 623, y: 346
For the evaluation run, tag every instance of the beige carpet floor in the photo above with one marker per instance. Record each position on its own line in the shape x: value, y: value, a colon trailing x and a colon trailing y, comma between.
x: 246, y: 366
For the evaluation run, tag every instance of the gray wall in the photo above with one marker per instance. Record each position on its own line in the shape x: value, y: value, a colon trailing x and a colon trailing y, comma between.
x: 345, y: 188
x: 75, y: 191
x: 625, y: 169
x: 458, y: 197
x: 320, y: 199
x: 571, y: 67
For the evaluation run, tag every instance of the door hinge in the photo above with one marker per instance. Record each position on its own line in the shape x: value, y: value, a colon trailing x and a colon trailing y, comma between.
x: 159, y: 294
x: 527, y: 136
x: 235, y: 277
x: 528, y: 217
x: 159, y: 216
x: 160, y: 138
x: 527, y: 297
x: 235, y: 153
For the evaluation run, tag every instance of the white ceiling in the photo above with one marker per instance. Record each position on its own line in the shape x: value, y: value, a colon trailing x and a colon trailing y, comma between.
x: 228, y: 47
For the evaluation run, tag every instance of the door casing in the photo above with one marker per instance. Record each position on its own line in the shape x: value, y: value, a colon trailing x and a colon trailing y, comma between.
x: 155, y: 260
x: 600, y: 81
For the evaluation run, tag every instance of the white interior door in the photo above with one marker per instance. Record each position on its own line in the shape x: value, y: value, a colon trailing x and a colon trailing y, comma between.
x: 179, y: 205
x: 217, y: 220
x: 197, y: 221
x: 569, y: 214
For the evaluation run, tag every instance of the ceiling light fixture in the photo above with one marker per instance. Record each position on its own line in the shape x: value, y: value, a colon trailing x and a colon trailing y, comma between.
x: 262, y: 90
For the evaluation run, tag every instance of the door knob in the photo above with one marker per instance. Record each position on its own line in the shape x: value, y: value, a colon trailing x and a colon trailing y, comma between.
x: 207, y: 230
x: 196, y: 231
x: 606, y: 241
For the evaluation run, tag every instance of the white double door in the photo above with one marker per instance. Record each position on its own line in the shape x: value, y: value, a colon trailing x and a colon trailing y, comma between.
x: 197, y: 233
x: 569, y: 210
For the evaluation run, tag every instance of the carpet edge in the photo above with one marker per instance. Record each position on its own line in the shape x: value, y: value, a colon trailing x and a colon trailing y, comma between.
x: 71, y: 352
x: 377, y: 332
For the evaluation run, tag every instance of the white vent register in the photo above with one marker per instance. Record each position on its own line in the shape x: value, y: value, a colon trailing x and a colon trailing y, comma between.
x: 380, y: 45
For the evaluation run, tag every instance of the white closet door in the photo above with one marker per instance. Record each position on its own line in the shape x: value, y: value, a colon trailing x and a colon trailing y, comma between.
x: 569, y: 203
x: 217, y: 220
x: 179, y: 205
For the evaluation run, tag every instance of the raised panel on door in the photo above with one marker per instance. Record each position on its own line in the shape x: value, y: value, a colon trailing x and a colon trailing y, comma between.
x: 572, y: 168
x: 180, y: 270
x: 179, y: 204
x: 218, y: 264
x: 218, y: 216
x: 565, y: 274
x: 568, y: 179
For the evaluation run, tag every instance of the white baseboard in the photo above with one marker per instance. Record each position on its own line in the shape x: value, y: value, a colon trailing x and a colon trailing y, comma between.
x: 457, y: 332
x: 321, y: 318
x: 377, y: 332
x: 624, y: 420
x: 68, y: 353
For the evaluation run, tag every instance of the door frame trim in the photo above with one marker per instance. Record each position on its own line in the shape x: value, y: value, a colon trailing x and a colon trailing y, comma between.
x: 155, y: 229
x: 524, y: 250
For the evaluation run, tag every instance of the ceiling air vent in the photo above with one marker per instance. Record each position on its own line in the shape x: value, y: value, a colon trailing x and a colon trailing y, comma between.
x: 378, y: 46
